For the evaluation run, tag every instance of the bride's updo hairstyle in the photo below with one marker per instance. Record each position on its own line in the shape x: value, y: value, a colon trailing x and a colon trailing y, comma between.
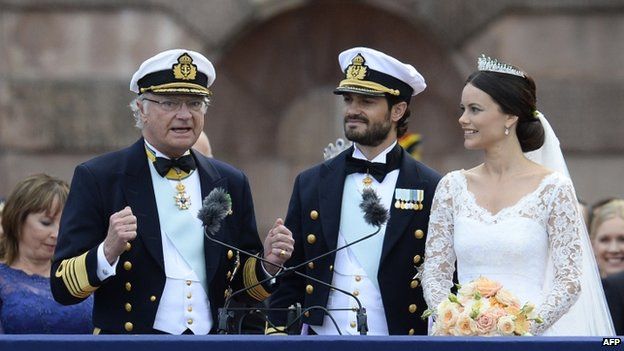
x: 514, y: 91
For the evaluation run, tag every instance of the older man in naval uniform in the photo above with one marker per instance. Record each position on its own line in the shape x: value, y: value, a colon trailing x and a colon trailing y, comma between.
x: 130, y: 233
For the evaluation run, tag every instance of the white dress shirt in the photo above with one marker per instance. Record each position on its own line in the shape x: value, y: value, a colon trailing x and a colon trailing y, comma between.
x: 349, y: 274
x: 184, y: 303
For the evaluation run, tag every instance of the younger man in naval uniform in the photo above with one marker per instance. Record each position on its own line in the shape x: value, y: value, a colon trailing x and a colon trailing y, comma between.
x: 324, y: 210
x: 130, y: 233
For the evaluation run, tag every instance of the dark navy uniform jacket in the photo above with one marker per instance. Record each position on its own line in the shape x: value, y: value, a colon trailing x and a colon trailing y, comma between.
x: 128, y: 301
x: 314, y: 219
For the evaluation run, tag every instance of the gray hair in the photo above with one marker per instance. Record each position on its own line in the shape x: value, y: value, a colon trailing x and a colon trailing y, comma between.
x: 136, y: 112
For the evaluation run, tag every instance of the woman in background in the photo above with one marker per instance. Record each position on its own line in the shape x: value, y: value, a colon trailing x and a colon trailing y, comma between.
x: 607, y: 234
x: 30, y: 221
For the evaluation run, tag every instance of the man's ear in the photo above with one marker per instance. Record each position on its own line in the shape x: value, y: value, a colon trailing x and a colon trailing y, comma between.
x: 398, y: 110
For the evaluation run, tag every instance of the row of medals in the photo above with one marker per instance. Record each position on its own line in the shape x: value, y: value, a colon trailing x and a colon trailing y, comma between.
x: 407, y: 199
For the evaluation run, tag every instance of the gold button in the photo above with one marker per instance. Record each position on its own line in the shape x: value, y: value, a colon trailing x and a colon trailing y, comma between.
x: 414, y: 284
x: 189, y: 321
x: 356, y: 293
x: 127, y: 265
x: 128, y: 326
x: 311, y: 238
x: 416, y: 259
x: 189, y: 295
x: 190, y: 308
x: 314, y: 214
x: 306, y: 313
x: 128, y: 286
x: 419, y: 234
x: 152, y: 298
x: 188, y: 282
x: 128, y: 246
x: 411, y: 332
x: 331, y: 268
x: 228, y: 275
x: 352, y: 324
x: 309, y: 289
x: 311, y: 265
x: 412, y: 308
x: 230, y: 254
x: 358, y: 278
x: 128, y: 307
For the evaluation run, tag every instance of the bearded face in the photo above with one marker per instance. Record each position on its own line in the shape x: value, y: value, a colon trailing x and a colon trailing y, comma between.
x: 367, y: 119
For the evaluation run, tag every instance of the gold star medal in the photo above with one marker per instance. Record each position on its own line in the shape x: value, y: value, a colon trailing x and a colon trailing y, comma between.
x: 182, y: 199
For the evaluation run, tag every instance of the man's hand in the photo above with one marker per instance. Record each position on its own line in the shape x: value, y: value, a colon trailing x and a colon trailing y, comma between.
x: 122, y: 228
x: 278, y: 246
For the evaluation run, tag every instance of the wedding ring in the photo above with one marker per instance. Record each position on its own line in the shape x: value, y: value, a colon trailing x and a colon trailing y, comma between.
x: 283, y: 253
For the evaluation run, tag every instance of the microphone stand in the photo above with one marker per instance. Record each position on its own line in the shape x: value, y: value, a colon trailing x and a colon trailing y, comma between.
x: 225, y: 316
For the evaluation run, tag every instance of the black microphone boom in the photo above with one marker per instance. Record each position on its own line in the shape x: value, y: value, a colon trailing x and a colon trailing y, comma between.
x: 218, y: 204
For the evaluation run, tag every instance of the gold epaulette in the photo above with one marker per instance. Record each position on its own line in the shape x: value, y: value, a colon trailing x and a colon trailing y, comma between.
x: 74, y: 273
x: 250, y: 278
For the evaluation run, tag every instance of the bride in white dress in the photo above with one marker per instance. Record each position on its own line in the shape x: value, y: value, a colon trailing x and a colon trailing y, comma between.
x: 512, y: 219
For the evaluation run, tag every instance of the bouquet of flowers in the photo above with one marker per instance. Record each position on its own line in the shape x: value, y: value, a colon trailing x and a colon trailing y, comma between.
x: 483, y: 308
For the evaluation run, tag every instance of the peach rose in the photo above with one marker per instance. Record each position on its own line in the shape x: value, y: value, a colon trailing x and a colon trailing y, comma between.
x: 487, y: 287
x: 506, y: 325
x: 506, y: 298
x: 486, y: 323
x: 447, y: 314
x: 464, y: 326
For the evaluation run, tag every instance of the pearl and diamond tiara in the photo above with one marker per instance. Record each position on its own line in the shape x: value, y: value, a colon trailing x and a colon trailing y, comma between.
x: 485, y: 63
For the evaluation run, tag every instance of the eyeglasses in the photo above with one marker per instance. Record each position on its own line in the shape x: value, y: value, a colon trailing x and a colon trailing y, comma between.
x: 171, y: 105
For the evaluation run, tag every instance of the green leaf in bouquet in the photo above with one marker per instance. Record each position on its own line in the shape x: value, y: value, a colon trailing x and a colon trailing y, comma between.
x: 428, y: 312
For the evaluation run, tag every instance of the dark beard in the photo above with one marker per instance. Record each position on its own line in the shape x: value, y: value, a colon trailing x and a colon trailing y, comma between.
x: 374, y: 135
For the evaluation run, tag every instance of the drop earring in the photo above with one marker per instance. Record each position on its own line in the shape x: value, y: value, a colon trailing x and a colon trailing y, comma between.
x: 506, y: 130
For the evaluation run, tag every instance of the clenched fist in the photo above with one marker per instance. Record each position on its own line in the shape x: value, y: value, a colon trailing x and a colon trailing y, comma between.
x: 278, y: 246
x: 122, y: 227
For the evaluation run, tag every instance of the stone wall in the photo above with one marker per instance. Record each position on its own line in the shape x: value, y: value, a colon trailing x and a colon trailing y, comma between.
x: 66, y: 65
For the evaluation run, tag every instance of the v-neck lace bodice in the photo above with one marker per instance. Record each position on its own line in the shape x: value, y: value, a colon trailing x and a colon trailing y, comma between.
x: 488, y: 216
x: 513, y: 246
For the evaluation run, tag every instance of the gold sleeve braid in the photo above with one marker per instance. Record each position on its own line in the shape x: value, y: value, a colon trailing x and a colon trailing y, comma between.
x: 277, y: 330
x: 73, y: 271
x: 250, y: 279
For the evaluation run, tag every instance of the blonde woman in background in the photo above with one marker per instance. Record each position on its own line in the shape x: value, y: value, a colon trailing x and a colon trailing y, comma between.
x: 607, y: 236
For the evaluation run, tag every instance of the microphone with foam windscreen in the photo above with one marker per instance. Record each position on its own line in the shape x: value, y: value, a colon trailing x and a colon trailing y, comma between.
x: 216, y: 207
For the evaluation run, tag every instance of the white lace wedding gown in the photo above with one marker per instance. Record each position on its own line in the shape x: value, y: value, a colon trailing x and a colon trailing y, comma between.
x: 514, y: 246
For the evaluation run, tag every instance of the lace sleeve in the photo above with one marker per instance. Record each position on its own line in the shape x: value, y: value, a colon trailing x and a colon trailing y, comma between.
x: 566, y: 255
x: 439, y: 265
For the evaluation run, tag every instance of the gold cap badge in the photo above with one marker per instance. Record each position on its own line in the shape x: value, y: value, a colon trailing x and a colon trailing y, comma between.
x: 357, y: 69
x: 185, y: 69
